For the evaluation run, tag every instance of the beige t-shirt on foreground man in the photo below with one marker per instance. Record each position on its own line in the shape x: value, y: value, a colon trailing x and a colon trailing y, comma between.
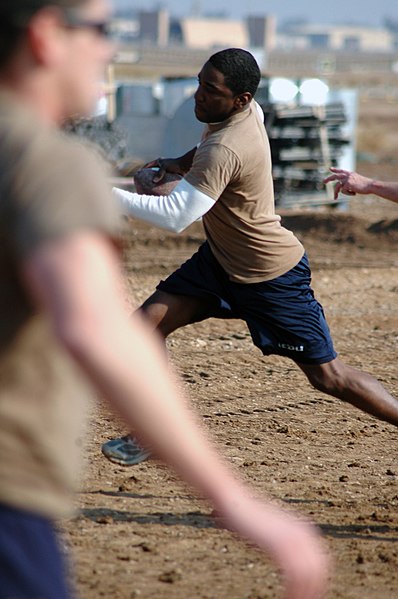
x: 49, y: 187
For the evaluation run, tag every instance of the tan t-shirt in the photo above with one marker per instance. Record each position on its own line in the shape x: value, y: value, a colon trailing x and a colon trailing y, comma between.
x: 233, y: 166
x: 50, y: 186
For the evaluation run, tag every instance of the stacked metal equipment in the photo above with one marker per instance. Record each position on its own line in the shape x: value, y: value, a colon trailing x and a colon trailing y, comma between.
x: 305, y: 141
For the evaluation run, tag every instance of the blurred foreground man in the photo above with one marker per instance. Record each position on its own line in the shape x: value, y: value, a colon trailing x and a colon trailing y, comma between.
x: 64, y: 326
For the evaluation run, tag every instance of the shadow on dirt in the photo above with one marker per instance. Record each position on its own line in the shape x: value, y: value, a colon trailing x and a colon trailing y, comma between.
x: 369, y: 532
x: 109, y: 516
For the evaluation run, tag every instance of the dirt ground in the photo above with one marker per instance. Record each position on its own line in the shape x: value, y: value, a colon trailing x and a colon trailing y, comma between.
x: 141, y: 533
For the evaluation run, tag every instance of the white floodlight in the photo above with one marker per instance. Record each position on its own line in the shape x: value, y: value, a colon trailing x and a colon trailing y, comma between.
x: 158, y: 90
x: 101, y: 106
x: 313, y: 91
x: 283, y: 90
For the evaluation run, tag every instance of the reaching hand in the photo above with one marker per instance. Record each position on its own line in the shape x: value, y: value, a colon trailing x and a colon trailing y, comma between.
x: 294, y: 545
x: 348, y: 182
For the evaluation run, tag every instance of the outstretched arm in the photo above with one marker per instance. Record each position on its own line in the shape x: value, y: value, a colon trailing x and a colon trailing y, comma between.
x: 174, y: 212
x: 351, y: 183
x: 77, y: 282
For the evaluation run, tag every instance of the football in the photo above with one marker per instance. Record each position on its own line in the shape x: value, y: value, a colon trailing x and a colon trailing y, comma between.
x: 144, y: 183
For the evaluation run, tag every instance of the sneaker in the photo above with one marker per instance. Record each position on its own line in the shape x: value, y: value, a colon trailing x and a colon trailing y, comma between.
x: 125, y: 451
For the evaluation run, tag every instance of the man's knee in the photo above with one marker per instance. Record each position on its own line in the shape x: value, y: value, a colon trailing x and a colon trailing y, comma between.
x: 331, y: 378
x: 155, y: 311
x: 167, y: 312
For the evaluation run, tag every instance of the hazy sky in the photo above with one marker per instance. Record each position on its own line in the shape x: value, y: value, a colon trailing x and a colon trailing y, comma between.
x: 366, y: 12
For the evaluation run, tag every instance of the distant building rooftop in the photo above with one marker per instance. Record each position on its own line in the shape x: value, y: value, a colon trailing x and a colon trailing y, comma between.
x: 213, y: 33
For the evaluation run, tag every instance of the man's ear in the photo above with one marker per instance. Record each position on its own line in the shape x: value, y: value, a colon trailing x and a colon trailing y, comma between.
x: 243, y: 99
x: 44, y: 35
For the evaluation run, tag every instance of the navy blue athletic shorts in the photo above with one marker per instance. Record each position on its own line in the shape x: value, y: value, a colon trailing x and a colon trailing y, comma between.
x: 283, y: 316
x: 31, y: 563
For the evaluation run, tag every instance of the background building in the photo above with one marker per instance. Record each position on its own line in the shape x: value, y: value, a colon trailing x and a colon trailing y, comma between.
x: 337, y: 38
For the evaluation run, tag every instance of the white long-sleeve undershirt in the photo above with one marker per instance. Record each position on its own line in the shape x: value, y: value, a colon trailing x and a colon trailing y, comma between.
x: 174, y: 212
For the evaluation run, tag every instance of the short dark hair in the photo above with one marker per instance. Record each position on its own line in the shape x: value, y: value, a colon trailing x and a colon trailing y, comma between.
x: 240, y: 70
x: 15, y: 16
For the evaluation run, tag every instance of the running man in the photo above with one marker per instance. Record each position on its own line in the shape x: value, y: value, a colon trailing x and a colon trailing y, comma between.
x: 250, y: 267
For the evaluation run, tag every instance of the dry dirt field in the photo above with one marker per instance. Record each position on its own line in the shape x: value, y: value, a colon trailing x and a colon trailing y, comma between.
x: 141, y: 533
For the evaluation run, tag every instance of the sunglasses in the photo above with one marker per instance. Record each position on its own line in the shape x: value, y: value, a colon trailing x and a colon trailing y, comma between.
x: 102, y: 28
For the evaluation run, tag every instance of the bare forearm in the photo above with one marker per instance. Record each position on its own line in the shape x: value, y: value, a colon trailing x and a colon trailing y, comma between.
x: 186, y: 160
x: 386, y: 190
x: 180, y: 165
